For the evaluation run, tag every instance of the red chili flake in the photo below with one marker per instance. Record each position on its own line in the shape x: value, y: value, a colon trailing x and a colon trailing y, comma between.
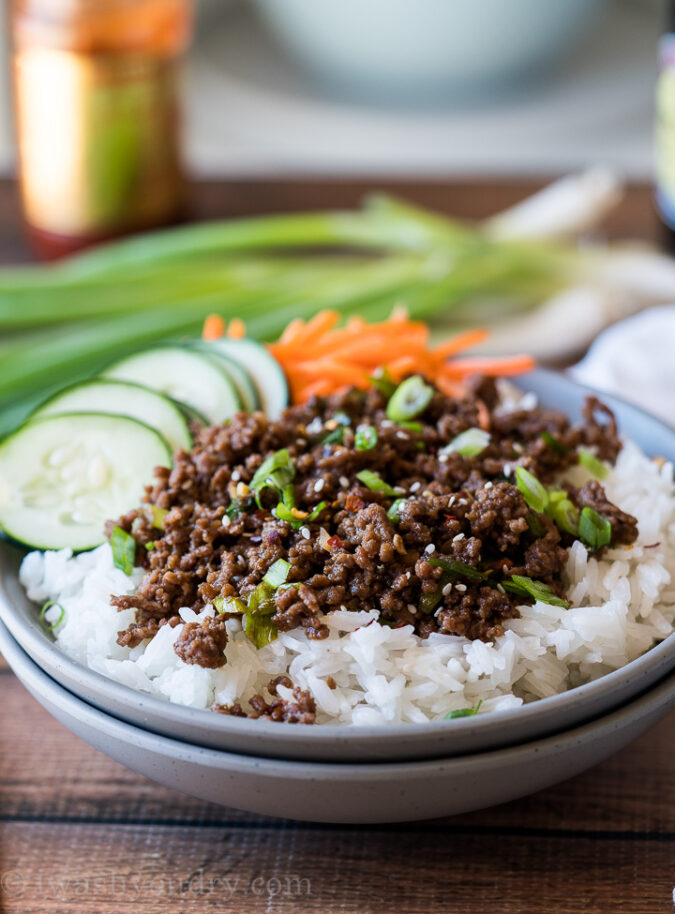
x: 400, y: 624
x: 651, y: 546
x: 334, y: 542
x: 449, y: 517
x: 354, y: 503
x: 505, y: 563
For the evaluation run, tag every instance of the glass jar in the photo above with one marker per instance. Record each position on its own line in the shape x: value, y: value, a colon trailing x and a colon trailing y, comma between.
x: 97, y: 116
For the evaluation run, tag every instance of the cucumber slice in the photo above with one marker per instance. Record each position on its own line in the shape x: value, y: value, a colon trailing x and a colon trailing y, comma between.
x: 265, y: 372
x: 183, y: 374
x: 121, y: 398
x: 62, y: 477
x: 235, y: 372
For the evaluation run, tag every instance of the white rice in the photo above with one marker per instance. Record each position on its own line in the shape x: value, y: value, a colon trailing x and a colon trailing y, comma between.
x: 621, y: 605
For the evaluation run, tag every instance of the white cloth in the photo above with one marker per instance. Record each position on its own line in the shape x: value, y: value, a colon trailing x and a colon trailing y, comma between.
x: 635, y: 359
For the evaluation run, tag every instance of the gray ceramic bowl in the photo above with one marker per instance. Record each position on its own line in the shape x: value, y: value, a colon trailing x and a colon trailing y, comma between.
x: 329, y: 743
x: 346, y: 792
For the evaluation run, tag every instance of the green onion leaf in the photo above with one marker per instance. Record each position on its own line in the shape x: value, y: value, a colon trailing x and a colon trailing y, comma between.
x: 261, y: 599
x: 464, y: 712
x: 412, y: 427
x: 594, y: 529
x: 51, y: 626
x: 469, y: 443
x: 259, y: 629
x: 457, y: 569
x: 233, y: 605
x: 276, y: 472
x: 158, y: 515
x: 410, y: 398
x: 394, y: 509
x: 376, y: 484
x: 277, y: 574
x: 533, y: 491
x: 383, y: 381
x: 562, y: 511
x: 593, y: 465
x: 123, y: 550
x: 150, y: 546
x: 553, y: 443
x: 314, y: 513
x: 534, y: 525
x: 540, y: 592
x: 365, y: 438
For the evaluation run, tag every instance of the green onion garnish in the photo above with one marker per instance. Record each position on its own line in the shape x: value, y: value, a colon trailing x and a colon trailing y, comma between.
x: 158, y: 515
x: 553, y: 443
x: 469, y: 443
x: 337, y: 435
x: 540, y: 592
x: 464, y: 712
x: 150, y: 546
x: 593, y: 465
x: 51, y: 626
x: 376, y: 484
x: 294, y: 518
x: 123, y: 549
x: 562, y: 511
x: 383, y: 381
x: 233, y: 605
x: 410, y: 398
x: 594, y: 529
x: 259, y: 629
x: 276, y: 472
x: 365, y: 438
x: 457, y: 569
x: 533, y: 491
x: 277, y: 574
x: 394, y: 510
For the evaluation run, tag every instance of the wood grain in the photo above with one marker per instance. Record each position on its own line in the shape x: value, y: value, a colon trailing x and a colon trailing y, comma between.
x: 80, y: 834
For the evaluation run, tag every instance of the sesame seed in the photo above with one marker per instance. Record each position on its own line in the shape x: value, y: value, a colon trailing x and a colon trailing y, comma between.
x: 304, y: 532
x: 508, y: 469
x: 488, y: 485
x: 412, y: 609
x: 500, y: 588
x: 415, y: 486
x: 451, y: 501
x: 344, y: 482
x: 236, y: 476
x: 319, y: 484
x: 426, y: 494
x: 332, y: 424
x: 343, y: 607
x: 408, y: 574
x: 315, y: 426
x: 300, y: 442
x: 403, y: 436
x: 462, y: 501
x: 225, y: 521
x: 386, y: 423
x: 517, y: 447
x: 447, y: 589
x: 461, y: 588
x: 438, y: 612
x: 430, y: 548
x: 460, y: 536
x: 242, y: 490
x: 442, y: 458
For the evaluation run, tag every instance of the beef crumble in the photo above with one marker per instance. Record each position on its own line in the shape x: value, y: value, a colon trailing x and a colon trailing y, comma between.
x: 362, y: 550
x: 300, y: 709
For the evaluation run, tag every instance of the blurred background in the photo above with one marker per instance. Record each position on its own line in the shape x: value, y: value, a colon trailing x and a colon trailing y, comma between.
x: 421, y: 87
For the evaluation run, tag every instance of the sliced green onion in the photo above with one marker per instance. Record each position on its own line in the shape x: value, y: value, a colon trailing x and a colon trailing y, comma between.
x: 469, y: 443
x: 594, y: 529
x: 394, y: 510
x: 365, y: 438
x: 150, y: 546
x: 464, y: 712
x: 235, y: 509
x: 336, y: 436
x: 383, y: 381
x: 410, y: 398
x: 593, y: 465
x: 376, y: 484
x: 123, y: 549
x: 233, y: 605
x: 259, y: 629
x: 158, y: 515
x: 457, y: 569
x: 540, y: 592
x: 412, y: 426
x: 553, y: 443
x: 429, y: 601
x: 51, y: 626
x: 286, y: 513
x: 562, y: 511
x: 276, y: 472
x: 261, y: 599
x: 534, y: 525
x: 533, y: 491
x: 314, y: 513
x: 277, y: 574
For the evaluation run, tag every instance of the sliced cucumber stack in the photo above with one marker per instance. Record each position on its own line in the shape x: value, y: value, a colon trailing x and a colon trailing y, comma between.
x: 122, y: 398
x: 62, y: 477
x: 192, y: 377
x: 248, y: 393
x: 266, y: 373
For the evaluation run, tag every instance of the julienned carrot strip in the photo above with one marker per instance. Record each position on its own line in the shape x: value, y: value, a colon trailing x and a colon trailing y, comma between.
x: 236, y: 329
x: 448, y: 387
x: 461, y: 341
x: 319, y: 388
x: 291, y: 332
x: 406, y: 364
x: 509, y: 365
x: 338, y: 371
x: 214, y: 327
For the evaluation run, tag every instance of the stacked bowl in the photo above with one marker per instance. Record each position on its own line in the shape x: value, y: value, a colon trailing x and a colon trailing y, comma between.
x: 352, y: 774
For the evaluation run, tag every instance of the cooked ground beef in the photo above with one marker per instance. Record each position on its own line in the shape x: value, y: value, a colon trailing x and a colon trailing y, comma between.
x: 301, y: 709
x: 216, y: 541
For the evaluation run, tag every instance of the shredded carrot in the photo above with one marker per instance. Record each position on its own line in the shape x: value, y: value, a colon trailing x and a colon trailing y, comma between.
x: 237, y: 329
x: 214, y: 327
x: 320, y: 358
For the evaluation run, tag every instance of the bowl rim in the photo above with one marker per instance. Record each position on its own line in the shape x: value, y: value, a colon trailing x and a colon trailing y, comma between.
x: 40, y: 644
x: 661, y: 694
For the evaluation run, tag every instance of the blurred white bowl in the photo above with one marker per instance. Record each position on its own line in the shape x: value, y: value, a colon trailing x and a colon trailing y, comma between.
x: 415, y: 49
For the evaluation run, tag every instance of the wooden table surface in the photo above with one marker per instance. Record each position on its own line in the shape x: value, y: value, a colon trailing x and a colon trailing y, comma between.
x: 83, y: 835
